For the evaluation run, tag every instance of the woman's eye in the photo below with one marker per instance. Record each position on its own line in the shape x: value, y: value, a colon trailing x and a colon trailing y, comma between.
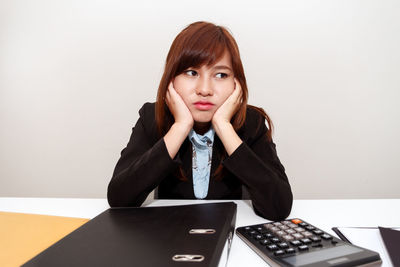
x: 191, y: 72
x: 221, y: 75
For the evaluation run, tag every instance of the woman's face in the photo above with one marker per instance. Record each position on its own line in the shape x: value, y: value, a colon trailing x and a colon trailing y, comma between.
x: 206, y: 88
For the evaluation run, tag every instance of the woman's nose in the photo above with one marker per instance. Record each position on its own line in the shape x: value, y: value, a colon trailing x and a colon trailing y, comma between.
x: 204, y: 87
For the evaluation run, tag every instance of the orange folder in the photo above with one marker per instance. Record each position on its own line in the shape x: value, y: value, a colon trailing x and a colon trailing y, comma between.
x: 23, y: 236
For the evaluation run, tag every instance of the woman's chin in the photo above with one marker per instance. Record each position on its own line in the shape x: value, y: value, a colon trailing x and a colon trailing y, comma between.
x: 202, y: 116
x: 202, y: 119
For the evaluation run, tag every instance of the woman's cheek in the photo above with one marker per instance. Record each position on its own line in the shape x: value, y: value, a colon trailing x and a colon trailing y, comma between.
x: 229, y: 91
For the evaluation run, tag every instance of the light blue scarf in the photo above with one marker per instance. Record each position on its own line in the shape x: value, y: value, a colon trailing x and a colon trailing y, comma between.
x: 201, y: 161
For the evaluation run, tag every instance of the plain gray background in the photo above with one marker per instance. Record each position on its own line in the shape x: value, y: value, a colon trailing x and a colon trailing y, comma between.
x: 73, y: 75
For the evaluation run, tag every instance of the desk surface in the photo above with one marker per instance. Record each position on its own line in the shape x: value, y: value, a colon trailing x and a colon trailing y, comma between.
x: 322, y: 213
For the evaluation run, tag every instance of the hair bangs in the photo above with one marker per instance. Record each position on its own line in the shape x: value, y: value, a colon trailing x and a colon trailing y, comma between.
x: 206, y: 49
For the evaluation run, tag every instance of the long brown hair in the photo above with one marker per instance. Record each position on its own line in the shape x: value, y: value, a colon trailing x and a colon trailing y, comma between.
x: 198, y: 44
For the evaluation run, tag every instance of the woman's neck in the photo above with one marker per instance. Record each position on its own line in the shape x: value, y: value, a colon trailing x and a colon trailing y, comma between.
x: 201, y: 127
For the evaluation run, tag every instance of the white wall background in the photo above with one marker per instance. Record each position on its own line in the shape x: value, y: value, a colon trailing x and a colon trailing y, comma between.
x: 73, y: 75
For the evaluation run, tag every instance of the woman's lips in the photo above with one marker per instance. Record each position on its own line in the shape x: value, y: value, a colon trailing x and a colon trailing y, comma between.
x: 202, y: 105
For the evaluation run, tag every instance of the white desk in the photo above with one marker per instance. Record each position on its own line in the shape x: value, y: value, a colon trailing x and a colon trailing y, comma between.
x: 322, y: 213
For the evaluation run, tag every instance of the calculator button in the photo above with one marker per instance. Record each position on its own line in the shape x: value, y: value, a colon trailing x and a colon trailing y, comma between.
x: 303, y: 224
x: 275, y: 240
x: 326, y: 236
x: 292, y: 225
x: 295, y: 243
x: 306, y: 241
x: 315, y: 239
x: 298, y: 236
x: 268, y: 235
x: 307, y: 234
x: 281, y: 233
x: 296, y: 221
x: 248, y: 229
x: 283, y: 245
x: 272, y: 247
x: 288, y: 237
x: 290, y: 231
x: 268, y: 225
x: 299, y: 229
x: 303, y: 247
x: 258, y: 237
x: 318, y: 232
x: 277, y: 224
x: 310, y: 228
x: 279, y: 253
x: 284, y: 227
x: 286, y: 222
x: 261, y: 230
x: 290, y: 250
x: 253, y: 233
x: 265, y: 242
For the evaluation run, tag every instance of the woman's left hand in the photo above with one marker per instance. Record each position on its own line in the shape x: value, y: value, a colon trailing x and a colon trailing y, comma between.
x: 226, y: 111
x: 221, y: 120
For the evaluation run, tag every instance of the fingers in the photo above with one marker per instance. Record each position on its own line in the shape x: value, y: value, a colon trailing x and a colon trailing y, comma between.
x: 171, y: 86
x: 167, y: 96
x: 237, y: 92
x: 178, y: 107
x: 174, y: 100
x: 170, y: 94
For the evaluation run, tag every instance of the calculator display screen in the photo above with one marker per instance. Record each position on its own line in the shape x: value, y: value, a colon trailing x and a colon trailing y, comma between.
x: 323, y: 255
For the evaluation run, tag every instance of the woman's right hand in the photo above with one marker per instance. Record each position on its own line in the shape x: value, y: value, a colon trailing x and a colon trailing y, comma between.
x: 183, y: 121
x: 178, y: 108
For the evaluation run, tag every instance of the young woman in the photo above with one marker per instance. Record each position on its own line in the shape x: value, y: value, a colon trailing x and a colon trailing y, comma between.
x: 201, y: 139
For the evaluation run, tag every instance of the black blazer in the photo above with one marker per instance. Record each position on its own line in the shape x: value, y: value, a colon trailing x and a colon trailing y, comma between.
x: 145, y: 165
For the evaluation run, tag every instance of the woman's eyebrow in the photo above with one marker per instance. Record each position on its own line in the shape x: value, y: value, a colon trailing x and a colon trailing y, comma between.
x: 219, y: 67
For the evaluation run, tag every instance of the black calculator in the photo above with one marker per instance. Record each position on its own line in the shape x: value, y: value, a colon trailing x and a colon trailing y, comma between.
x: 294, y: 242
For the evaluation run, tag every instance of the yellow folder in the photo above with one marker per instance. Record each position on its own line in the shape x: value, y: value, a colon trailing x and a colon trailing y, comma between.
x: 23, y: 236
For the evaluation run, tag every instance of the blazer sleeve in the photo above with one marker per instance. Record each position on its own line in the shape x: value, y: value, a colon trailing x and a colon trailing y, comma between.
x: 256, y: 164
x: 142, y: 166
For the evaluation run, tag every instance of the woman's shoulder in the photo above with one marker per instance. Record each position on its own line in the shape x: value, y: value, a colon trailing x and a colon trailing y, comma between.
x: 255, y: 115
x: 147, y: 118
x: 255, y: 123
x: 148, y: 110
